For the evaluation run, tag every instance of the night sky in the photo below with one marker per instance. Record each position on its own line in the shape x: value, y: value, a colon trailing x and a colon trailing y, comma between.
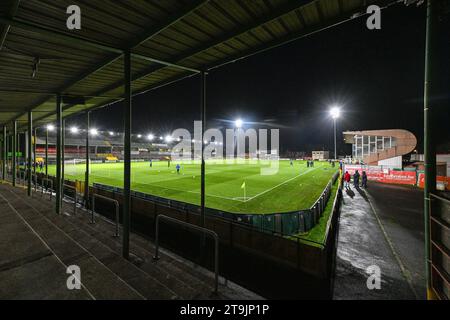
x: 377, y: 77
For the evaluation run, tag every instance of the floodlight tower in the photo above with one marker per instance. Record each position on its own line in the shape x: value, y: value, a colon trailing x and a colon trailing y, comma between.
x: 335, y: 113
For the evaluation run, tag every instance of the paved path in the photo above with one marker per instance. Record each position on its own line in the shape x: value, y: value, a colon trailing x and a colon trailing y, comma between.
x: 368, y: 237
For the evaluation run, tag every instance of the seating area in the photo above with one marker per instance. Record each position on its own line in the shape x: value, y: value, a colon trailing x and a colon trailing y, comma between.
x: 37, y: 246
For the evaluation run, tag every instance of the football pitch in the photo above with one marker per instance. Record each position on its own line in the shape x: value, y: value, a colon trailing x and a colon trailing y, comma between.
x: 232, y: 187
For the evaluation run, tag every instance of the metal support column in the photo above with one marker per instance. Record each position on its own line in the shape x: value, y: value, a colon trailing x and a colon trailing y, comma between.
x: 335, y: 148
x: 46, y: 153
x: 30, y: 156
x: 203, y: 118
x: 429, y: 146
x: 63, y: 149
x: 127, y: 156
x: 13, y: 149
x: 58, y: 126
x: 34, y: 151
x: 5, y: 153
x: 86, y: 174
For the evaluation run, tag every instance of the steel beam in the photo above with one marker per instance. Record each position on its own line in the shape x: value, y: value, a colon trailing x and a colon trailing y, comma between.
x: 78, y: 40
x: 5, y: 153
x: 138, y: 40
x: 29, y: 152
x: 127, y: 156
x: 63, y: 149
x: 34, y: 149
x: 86, y: 174
x: 202, y: 174
x: 431, y: 72
x: 13, y: 149
x: 12, y: 13
x: 58, y: 126
x: 46, y: 153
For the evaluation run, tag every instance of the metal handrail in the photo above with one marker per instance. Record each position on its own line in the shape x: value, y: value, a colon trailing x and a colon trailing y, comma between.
x: 75, y: 200
x: 46, y: 186
x: 197, y: 228
x: 22, y: 176
x: 34, y: 175
x: 116, y: 204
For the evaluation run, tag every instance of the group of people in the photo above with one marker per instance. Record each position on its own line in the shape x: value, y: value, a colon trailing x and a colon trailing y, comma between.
x: 177, y: 167
x: 310, y: 163
x: 356, y: 177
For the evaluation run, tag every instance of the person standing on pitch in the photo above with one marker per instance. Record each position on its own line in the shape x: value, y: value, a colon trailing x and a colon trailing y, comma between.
x: 178, y: 168
x: 347, y: 180
x: 364, y: 180
x: 151, y: 163
x: 356, y: 179
x: 292, y: 164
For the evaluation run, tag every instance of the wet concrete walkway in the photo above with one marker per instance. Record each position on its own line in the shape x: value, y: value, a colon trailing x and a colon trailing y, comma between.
x: 371, y: 233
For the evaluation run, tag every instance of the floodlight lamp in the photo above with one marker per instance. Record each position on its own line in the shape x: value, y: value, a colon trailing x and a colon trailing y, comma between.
x: 335, y: 112
x: 93, y: 132
x: 74, y: 130
x: 168, y: 138
x: 150, y: 137
x: 238, y: 123
x: 50, y: 127
x: 111, y: 133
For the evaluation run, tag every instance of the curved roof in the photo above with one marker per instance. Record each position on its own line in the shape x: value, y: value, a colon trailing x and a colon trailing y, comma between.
x: 169, y: 40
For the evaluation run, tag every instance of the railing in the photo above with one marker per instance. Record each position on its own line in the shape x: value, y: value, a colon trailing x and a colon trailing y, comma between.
x: 75, y: 196
x: 34, y: 178
x: 440, y: 246
x: 116, y: 204
x: 197, y: 228
x: 284, y: 224
x: 48, y: 181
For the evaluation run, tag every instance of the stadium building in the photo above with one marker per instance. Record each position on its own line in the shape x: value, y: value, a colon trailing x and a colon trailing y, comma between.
x: 321, y: 155
x: 380, y: 147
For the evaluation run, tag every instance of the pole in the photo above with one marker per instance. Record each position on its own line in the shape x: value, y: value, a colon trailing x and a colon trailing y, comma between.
x: 86, y: 174
x: 34, y: 152
x: 429, y: 147
x: 203, y: 118
x: 5, y: 153
x: 63, y: 148
x: 335, y: 149
x: 30, y: 156
x: 127, y: 156
x: 13, y: 149
x: 46, y: 153
x: 58, y: 153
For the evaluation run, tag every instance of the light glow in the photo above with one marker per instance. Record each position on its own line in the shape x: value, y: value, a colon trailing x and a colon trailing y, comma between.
x: 238, y: 123
x: 335, y: 112
x: 93, y: 132
x: 50, y: 127
x: 74, y: 130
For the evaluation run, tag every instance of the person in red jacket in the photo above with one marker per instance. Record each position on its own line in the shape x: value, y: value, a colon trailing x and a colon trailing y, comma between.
x: 347, y: 180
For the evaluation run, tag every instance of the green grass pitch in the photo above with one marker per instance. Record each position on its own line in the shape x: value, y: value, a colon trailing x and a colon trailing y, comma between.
x: 292, y: 188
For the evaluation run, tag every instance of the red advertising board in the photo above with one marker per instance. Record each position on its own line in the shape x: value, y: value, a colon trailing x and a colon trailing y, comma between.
x: 442, y: 182
x: 375, y: 173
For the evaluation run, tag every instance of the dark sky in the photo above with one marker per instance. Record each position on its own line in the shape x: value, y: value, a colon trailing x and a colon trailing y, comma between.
x: 377, y: 76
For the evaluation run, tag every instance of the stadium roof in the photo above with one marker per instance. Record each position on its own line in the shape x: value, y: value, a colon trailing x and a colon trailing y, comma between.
x: 169, y: 40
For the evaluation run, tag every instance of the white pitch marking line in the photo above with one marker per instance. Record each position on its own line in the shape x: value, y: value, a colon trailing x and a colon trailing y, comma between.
x: 279, y: 185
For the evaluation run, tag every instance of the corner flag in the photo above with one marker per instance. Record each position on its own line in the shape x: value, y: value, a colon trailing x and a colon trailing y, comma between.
x: 243, y: 187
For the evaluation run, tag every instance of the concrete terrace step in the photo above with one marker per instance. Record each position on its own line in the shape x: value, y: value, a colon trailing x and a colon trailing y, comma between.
x: 144, y: 283
x: 189, y: 287
x: 28, y: 269
x: 184, y: 278
x: 100, y: 281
